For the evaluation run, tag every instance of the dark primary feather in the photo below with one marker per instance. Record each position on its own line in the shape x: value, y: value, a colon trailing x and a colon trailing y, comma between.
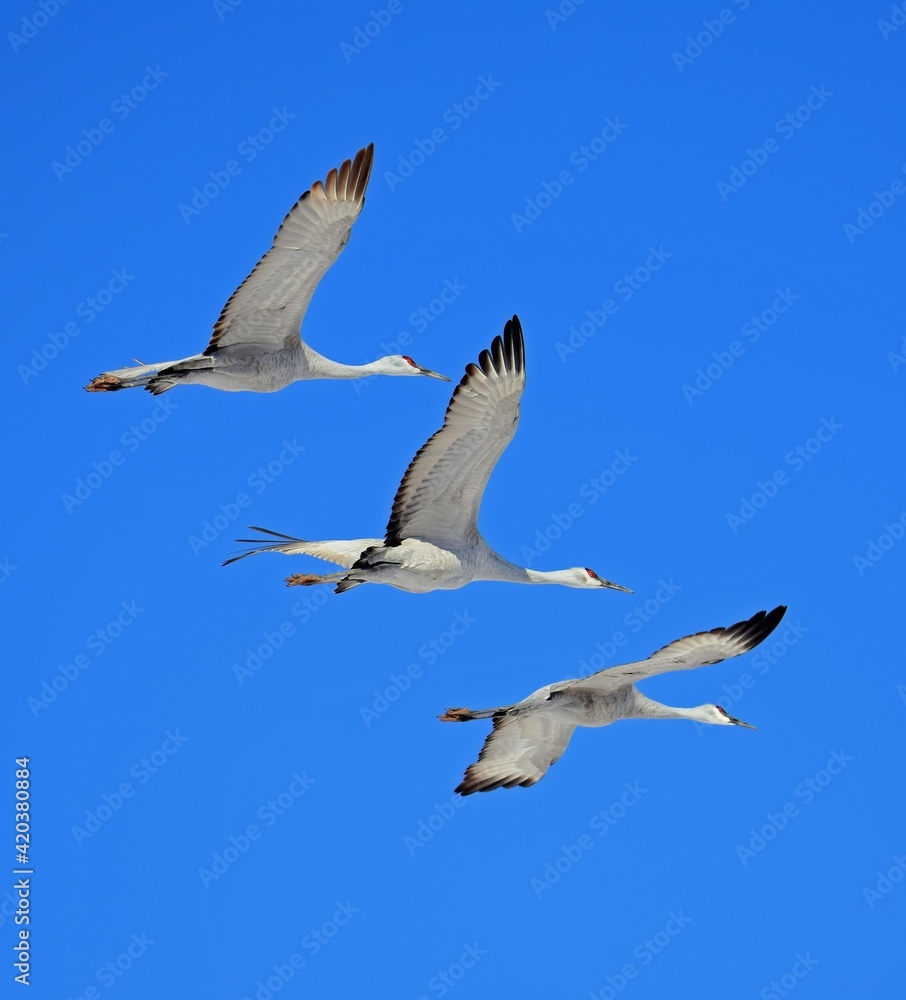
x: 449, y: 454
x: 748, y: 633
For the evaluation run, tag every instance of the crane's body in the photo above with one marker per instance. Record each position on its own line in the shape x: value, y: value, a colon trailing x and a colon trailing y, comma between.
x: 256, y: 344
x: 419, y: 567
x: 432, y: 541
x: 531, y: 735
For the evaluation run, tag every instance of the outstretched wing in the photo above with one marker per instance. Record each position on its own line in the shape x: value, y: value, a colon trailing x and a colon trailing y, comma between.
x: 440, y: 494
x: 265, y: 312
x: 684, y: 654
x: 518, y: 751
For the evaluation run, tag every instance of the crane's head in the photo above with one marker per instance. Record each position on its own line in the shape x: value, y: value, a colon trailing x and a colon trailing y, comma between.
x: 402, y: 364
x: 582, y: 576
x: 718, y: 716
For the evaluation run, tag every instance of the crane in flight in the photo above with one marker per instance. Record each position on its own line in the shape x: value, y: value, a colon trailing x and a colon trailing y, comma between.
x: 256, y: 344
x: 531, y: 735
x: 432, y: 540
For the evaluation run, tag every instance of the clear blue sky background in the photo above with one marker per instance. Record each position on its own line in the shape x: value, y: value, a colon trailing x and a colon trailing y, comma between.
x: 370, y: 873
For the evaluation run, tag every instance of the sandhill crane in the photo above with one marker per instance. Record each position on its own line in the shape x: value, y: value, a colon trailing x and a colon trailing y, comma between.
x: 256, y: 344
x: 533, y: 734
x: 432, y: 540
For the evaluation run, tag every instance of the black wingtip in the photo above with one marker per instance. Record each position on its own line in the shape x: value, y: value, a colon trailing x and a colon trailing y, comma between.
x: 757, y: 628
x: 513, y: 327
x: 507, y: 350
x: 361, y: 167
x: 512, y: 335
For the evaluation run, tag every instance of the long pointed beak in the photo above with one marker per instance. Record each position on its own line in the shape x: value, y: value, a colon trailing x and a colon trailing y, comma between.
x: 616, y: 586
x: 427, y: 371
x: 739, y: 722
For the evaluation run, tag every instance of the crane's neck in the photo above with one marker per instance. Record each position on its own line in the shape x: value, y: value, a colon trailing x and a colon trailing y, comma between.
x: 646, y: 708
x: 322, y: 367
x: 561, y: 576
x: 499, y: 568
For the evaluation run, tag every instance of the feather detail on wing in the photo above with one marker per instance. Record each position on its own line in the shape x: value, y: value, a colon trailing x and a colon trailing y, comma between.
x: 440, y: 494
x: 518, y: 751
x: 265, y: 312
x: 685, y: 654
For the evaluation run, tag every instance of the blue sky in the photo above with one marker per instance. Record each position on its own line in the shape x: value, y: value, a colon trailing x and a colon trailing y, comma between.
x: 697, y: 212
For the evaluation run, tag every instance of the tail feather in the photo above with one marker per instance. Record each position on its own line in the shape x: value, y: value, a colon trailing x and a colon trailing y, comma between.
x: 156, y: 378
x: 342, y: 552
x: 174, y: 372
x: 289, y: 546
x: 268, y: 531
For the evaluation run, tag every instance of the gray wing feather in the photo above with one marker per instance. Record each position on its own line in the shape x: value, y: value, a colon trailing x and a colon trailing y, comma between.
x: 265, y: 312
x: 519, y: 751
x: 685, y: 654
x: 440, y: 494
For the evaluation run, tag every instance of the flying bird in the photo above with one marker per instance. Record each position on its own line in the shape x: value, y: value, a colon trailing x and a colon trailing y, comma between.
x: 432, y: 540
x: 533, y: 734
x: 256, y: 345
